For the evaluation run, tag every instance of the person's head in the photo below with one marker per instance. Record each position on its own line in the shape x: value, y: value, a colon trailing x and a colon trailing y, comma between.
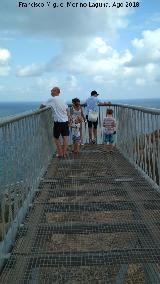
x: 55, y: 91
x: 94, y: 94
x: 109, y: 111
x: 76, y: 102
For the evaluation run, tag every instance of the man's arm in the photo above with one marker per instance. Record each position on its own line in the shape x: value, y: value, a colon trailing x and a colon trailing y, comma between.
x: 104, y: 103
x: 42, y: 106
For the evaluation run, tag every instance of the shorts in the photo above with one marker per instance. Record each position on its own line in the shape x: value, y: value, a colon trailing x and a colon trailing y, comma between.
x: 108, y: 138
x: 60, y: 128
x: 76, y: 138
x: 90, y: 123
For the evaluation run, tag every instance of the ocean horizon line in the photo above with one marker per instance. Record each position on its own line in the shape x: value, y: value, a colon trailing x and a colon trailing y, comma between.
x: 10, y: 108
x: 108, y: 99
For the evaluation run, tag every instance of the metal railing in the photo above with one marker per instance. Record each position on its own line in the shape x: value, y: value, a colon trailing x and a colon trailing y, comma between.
x: 26, y: 148
x: 138, y: 138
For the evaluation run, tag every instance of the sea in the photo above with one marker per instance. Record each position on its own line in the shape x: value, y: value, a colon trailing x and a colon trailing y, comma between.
x: 14, y: 108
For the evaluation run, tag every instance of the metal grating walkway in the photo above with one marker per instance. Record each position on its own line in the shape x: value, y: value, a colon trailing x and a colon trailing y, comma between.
x: 94, y: 220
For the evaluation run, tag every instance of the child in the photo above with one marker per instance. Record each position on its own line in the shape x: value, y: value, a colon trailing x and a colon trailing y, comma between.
x: 76, y: 110
x: 109, y: 129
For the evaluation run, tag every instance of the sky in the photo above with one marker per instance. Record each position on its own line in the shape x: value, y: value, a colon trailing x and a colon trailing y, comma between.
x: 115, y: 51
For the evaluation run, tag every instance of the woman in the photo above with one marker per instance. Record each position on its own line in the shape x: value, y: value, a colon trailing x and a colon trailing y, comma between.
x: 76, y: 112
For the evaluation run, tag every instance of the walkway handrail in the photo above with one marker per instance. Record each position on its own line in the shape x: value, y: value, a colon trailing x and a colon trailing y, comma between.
x: 138, y: 137
x: 140, y: 108
x: 26, y: 147
x: 135, y: 107
x: 17, y: 117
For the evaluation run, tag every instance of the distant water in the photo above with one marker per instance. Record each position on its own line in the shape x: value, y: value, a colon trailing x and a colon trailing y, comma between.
x: 13, y: 108
x: 150, y: 103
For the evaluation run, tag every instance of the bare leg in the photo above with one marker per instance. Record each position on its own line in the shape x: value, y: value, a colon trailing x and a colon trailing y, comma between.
x: 80, y: 134
x: 111, y: 147
x: 59, y: 147
x: 95, y: 134
x: 74, y: 149
x: 77, y: 147
x: 74, y: 146
x: 65, y: 145
x: 107, y: 147
x: 90, y: 134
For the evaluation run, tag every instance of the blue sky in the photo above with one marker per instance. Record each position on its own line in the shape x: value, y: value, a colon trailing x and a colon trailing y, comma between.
x: 114, y: 51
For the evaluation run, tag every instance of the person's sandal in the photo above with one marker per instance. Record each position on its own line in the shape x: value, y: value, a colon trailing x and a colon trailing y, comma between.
x: 58, y: 156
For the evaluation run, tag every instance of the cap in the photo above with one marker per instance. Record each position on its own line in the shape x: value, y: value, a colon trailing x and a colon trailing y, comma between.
x: 94, y: 93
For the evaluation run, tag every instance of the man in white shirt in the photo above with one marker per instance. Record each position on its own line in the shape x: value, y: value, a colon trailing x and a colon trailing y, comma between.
x: 60, y: 117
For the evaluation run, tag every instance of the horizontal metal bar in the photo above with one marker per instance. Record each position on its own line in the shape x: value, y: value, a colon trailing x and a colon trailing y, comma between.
x: 14, y: 118
x: 91, y: 228
x: 59, y: 207
x: 89, y: 258
x: 134, y: 107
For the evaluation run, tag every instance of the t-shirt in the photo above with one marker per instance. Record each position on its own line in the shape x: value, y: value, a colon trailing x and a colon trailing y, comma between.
x: 59, y: 109
x: 92, y: 104
x: 110, y: 125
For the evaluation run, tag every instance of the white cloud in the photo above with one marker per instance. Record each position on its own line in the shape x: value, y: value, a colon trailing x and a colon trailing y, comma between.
x: 46, y: 83
x: 97, y: 58
x: 99, y: 45
x: 143, y: 68
x: 98, y: 61
x: 71, y: 83
x: 140, y: 82
x: 58, y: 22
x: 104, y: 80
x: 147, y: 48
x: 30, y: 70
x: 4, y: 70
x: 5, y: 56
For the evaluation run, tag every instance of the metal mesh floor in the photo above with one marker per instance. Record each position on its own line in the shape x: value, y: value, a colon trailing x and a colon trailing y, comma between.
x: 94, y: 219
